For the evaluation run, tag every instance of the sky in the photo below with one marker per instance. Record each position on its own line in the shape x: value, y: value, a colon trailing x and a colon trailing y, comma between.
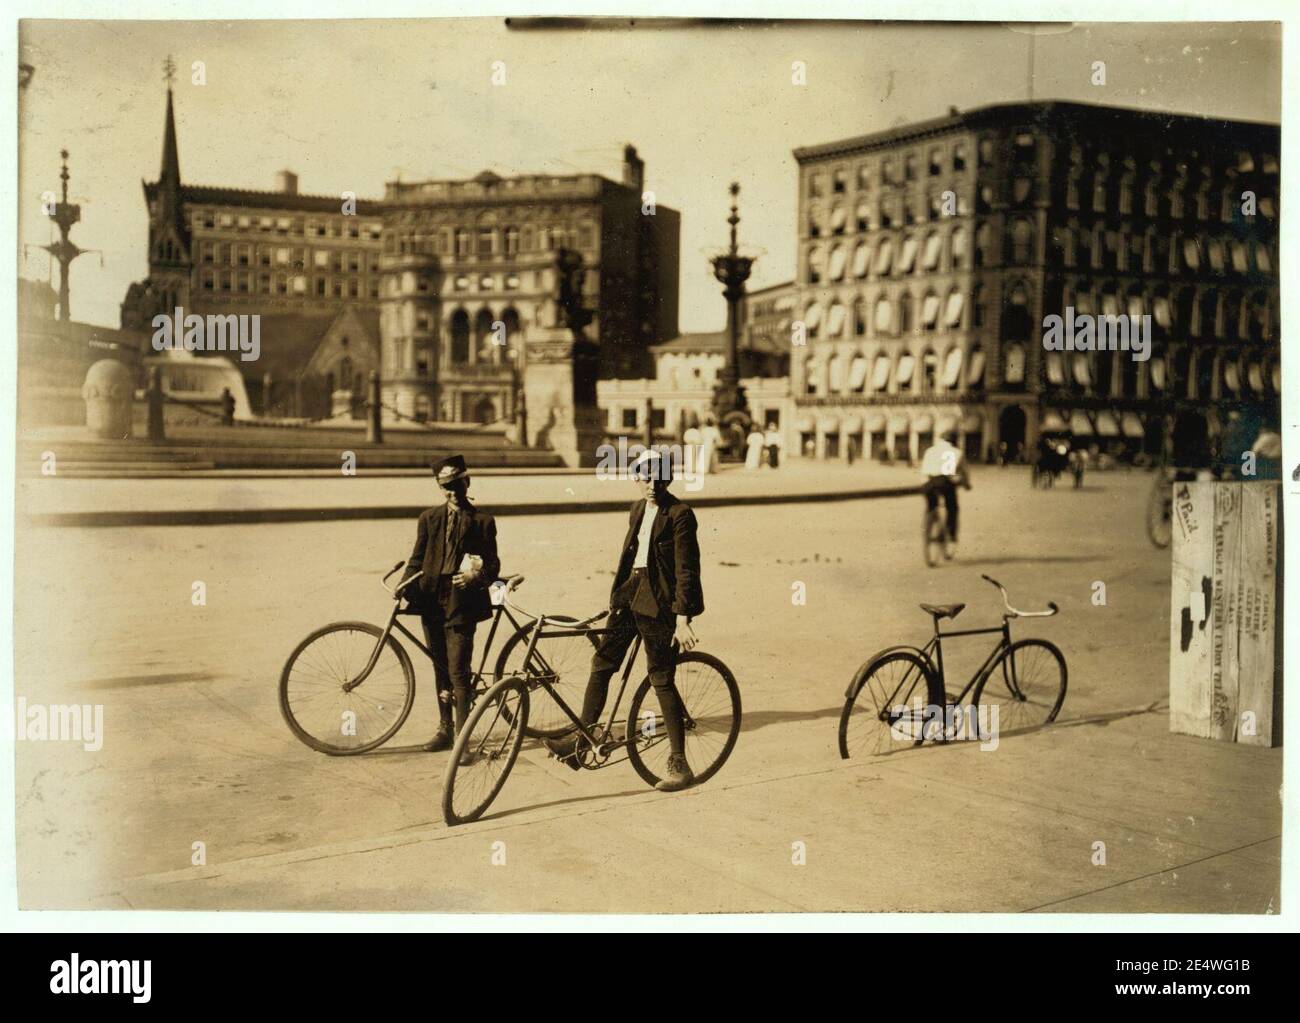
x: 350, y: 105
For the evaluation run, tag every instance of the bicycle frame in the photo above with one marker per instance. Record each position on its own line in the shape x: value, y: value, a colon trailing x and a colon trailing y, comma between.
x: 393, y: 623
x: 539, y: 632
x: 933, y: 652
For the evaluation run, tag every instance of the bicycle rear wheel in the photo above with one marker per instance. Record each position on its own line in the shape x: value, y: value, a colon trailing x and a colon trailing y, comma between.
x: 489, y: 743
x: 331, y: 718
x: 890, y: 706
x: 1025, y: 687
x: 562, y: 659
x: 710, y: 701
x: 1160, y: 511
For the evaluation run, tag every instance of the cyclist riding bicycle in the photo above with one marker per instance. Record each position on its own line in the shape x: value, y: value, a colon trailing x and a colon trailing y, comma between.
x: 944, y: 468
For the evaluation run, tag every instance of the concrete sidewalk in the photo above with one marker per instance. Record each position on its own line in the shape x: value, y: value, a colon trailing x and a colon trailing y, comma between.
x: 937, y: 829
x: 208, y: 500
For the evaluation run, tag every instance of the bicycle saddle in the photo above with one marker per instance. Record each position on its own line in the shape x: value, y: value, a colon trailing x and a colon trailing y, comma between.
x: 943, y: 610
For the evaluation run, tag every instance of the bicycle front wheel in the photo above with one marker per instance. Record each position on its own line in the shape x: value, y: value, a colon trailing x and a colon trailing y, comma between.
x: 320, y: 708
x: 710, y: 700
x: 1024, y: 689
x: 485, y: 751
x: 564, y: 660
x: 892, y: 701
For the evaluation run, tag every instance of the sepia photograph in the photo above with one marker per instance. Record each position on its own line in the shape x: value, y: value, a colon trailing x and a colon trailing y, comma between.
x: 648, y: 466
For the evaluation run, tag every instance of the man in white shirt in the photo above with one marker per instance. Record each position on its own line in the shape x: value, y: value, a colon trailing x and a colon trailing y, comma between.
x: 944, y: 468
x: 656, y: 594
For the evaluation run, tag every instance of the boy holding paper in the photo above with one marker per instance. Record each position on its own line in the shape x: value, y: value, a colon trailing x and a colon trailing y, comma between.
x: 456, y: 549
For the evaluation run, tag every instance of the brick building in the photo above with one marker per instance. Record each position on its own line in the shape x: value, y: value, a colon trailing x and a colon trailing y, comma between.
x: 413, y: 285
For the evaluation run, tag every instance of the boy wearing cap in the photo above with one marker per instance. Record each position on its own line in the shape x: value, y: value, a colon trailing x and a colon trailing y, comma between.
x: 944, y: 468
x: 452, y: 594
x: 656, y: 593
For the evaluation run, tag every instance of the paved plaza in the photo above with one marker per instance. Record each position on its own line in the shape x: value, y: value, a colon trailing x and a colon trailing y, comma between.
x: 195, y: 750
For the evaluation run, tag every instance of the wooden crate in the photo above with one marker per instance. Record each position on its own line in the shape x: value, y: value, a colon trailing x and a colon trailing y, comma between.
x: 1225, y: 653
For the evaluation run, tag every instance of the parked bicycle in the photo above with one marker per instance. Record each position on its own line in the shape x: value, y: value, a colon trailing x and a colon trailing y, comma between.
x: 349, y: 686
x: 898, y: 698
x: 556, y: 661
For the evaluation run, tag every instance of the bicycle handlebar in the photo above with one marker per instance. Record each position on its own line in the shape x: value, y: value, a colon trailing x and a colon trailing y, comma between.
x: 1015, y: 612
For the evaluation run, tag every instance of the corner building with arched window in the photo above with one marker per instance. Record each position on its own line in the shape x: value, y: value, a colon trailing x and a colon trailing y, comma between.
x: 930, y: 254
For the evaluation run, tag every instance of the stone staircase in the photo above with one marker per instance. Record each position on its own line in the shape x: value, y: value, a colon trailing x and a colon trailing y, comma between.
x: 265, y: 451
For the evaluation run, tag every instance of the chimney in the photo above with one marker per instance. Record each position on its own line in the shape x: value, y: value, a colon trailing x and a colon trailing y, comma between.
x: 633, y: 169
x: 286, y: 181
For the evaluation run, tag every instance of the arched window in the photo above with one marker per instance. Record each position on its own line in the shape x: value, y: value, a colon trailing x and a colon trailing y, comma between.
x: 959, y: 248
x: 1209, y: 318
x: 1022, y: 240
x: 983, y: 244
x: 510, y: 318
x: 459, y: 337
x: 1016, y: 325
x: 483, y: 335
x: 906, y: 322
x: 859, y: 316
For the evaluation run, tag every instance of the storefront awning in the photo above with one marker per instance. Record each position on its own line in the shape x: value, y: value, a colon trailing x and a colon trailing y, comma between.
x: 1106, y: 424
x: 972, y: 422
x: 1232, y: 376
x: 952, y: 315
x: 1132, y: 426
x: 952, y: 368
x: 861, y: 259
x: 1052, y: 422
x: 898, y: 422
x: 804, y: 424
x: 924, y: 422
x: 874, y: 422
x: 829, y: 424
x: 838, y: 258
x: 880, y: 374
x: 1082, y: 369
x: 947, y: 421
x: 853, y: 423
x: 1079, y: 424
x: 930, y: 310
x: 905, y: 366
x: 857, y: 373
x: 1055, y: 369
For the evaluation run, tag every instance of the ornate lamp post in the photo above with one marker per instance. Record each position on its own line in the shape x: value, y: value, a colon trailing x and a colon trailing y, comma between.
x: 732, y: 268
x: 65, y: 215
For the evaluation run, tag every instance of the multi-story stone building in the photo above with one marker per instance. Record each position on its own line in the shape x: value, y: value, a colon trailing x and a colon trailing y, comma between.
x: 930, y: 254
x: 436, y: 285
x: 470, y: 266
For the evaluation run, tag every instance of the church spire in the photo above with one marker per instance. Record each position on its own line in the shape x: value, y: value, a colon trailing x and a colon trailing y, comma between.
x: 169, y: 175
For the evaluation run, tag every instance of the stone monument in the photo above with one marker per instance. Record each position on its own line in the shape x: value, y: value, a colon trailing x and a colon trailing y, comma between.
x: 560, y: 369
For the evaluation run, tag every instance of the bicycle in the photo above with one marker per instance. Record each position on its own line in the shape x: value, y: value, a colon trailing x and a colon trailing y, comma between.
x: 488, y: 746
x: 322, y: 698
x: 898, y: 698
x: 937, y: 544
